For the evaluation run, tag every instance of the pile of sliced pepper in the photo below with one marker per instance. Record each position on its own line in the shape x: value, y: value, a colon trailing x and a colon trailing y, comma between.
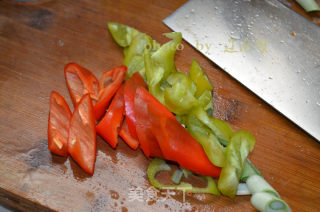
x: 167, y: 112
x: 189, y: 97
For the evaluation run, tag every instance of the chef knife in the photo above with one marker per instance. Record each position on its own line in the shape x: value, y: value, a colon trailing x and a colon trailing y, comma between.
x: 266, y: 46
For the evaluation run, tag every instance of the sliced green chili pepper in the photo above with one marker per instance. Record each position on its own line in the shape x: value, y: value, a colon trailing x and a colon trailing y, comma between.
x: 220, y: 128
x: 134, y: 43
x: 205, y: 100
x: 122, y: 34
x: 212, y: 147
x: 164, y: 56
x: 133, y: 54
x: 241, y: 143
x: 157, y: 165
x: 154, y: 75
x: 200, y: 78
x: 180, y: 97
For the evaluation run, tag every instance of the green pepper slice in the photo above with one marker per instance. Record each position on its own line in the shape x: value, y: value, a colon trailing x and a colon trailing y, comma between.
x: 180, y: 97
x: 212, y: 147
x: 154, y: 75
x: 164, y: 56
x: 160, y: 64
x: 241, y: 143
x: 200, y: 78
x: 122, y: 34
x: 220, y: 128
x: 158, y: 165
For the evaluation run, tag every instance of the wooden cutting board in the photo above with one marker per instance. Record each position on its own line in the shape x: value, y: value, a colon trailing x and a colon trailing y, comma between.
x: 38, y: 38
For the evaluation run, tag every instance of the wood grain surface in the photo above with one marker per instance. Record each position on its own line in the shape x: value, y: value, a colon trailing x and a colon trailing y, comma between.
x: 38, y: 38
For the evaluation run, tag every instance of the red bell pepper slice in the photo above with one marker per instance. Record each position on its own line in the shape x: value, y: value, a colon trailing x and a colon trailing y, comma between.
x: 109, y: 84
x: 109, y: 127
x: 58, y: 124
x: 126, y: 136
x: 129, y: 93
x: 82, y: 135
x: 178, y: 145
x: 80, y: 81
x: 148, y: 141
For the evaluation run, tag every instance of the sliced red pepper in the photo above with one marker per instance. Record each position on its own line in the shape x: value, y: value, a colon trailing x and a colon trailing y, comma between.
x: 109, y: 127
x: 178, y: 145
x: 58, y: 124
x: 82, y: 135
x: 109, y: 84
x: 129, y: 93
x: 80, y: 81
x: 148, y: 141
x: 126, y: 136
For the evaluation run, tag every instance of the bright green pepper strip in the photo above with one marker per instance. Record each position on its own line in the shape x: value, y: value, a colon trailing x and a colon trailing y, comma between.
x: 154, y: 75
x: 212, y: 147
x: 158, y: 164
x: 205, y: 100
x: 134, y: 43
x: 122, y: 34
x: 160, y: 64
x: 241, y: 143
x: 220, y: 128
x: 200, y: 78
x: 134, y: 58
x: 176, y: 77
x: 154, y: 167
x: 179, y: 98
x: 164, y: 56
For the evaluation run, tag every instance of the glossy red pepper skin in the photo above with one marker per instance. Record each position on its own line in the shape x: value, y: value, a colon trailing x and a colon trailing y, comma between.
x: 82, y: 135
x: 58, y: 125
x: 178, y: 145
x: 109, y: 127
x: 80, y: 81
x: 148, y: 142
x: 126, y: 136
x: 109, y: 84
x: 129, y: 93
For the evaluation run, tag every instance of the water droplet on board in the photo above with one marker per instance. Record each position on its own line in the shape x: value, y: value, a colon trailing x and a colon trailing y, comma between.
x: 216, y: 8
x: 318, y: 103
x: 192, y: 10
x: 186, y: 16
x: 61, y: 43
x: 270, y: 78
x: 307, y: 101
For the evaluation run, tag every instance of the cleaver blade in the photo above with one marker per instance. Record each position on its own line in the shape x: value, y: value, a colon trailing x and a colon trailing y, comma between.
x: 267, y: 47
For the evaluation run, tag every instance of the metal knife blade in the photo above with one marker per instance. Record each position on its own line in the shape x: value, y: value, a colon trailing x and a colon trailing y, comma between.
x: 264, y: 45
